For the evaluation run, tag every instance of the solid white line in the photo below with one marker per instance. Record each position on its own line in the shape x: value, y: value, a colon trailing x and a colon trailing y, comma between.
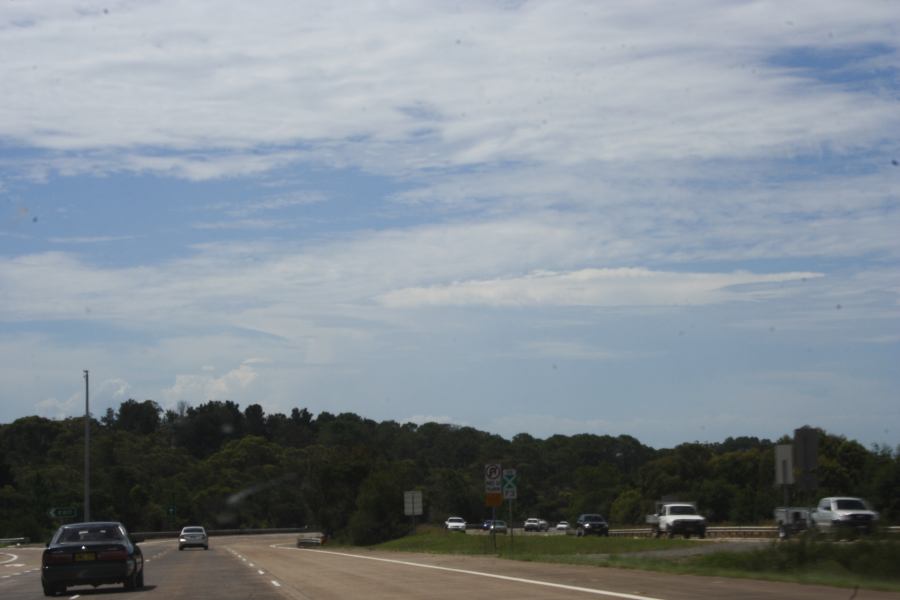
x: 11, y: 558
x: 558, y: 586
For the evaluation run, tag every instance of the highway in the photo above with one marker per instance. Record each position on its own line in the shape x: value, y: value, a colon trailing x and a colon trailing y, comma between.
x: 270, y: 567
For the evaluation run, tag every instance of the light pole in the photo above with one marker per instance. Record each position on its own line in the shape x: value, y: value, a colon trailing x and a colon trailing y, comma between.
x: 87, y: 449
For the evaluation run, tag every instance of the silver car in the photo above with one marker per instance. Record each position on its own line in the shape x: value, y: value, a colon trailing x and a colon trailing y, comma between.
x: 193, y: 536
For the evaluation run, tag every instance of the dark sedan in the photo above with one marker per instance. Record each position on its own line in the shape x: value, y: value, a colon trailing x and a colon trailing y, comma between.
x: 591, y: 524
x: 91, y: 554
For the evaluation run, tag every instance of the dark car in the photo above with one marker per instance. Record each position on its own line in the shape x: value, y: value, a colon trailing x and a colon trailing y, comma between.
x: 591, y: 524
x: 91, y: 554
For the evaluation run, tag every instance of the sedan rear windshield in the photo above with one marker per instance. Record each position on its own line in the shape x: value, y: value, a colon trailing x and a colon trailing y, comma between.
x: 90, y: 534
x: 192, y: 530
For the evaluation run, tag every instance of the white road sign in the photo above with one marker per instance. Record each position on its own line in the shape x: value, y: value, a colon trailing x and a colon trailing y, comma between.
x: 493, y: 483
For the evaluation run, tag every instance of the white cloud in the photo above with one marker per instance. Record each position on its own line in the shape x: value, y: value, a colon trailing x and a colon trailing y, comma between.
x: 203, y: 387
x: 570, y: 350
x: 592, y: 287
x: 115, y: 388
x: 453, y: 85
x: 100, y: 239
x: 60, y: 409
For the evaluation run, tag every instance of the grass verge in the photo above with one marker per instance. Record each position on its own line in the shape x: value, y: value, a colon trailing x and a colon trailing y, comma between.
x: 524, y: 547
x: 867, y: 563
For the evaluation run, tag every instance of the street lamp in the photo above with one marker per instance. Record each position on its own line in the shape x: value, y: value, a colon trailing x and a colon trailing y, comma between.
x: 87, y: 449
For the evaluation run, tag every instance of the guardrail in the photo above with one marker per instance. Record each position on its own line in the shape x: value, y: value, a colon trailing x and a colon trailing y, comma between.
x: 762, y: 531
x: 711, y: 532
x: 19, y: 540
x: 157, y: 535
x: 750, y: 531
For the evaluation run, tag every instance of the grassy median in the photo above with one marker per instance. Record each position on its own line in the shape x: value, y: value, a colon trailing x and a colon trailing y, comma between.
x: 866, y: 563
x: 524, y: 547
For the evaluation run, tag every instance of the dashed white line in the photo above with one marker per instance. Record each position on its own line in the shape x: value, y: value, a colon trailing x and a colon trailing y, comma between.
x: 275, y: 583
x: 559, y: 586
x: 261, y: 572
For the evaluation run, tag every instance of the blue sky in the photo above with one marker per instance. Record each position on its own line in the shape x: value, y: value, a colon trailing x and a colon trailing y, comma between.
x: 615, y: 218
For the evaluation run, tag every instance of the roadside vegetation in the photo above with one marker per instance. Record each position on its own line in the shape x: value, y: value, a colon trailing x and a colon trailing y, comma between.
x: 525, y: 547
x: 870, y: 563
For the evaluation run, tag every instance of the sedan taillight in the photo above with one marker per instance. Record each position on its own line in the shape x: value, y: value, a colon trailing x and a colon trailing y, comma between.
x: 118, y: 554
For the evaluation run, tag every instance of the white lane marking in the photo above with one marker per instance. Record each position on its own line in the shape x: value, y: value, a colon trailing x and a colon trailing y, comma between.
x: 261, y: 572
x: 15, y: 565
x: 11, y: 558
x: 275, y: 583
x: 559, y: 586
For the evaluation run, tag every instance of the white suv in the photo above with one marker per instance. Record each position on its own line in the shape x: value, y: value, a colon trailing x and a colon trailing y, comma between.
x: 535, y: 524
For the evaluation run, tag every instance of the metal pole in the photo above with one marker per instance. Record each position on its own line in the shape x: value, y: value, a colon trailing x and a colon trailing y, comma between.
x: 511, y: 529
x: 493, y: 532
x: 87, y: 448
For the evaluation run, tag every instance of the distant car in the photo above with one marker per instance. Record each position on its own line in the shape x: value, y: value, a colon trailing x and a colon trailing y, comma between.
x: 455, y: 524
x: 562, y: 526
x: 310, y: 539
x: 193, y: 536
x: 498, y: 526
x: 95, y: 553
x: 591, y: 524
x: 535, y: 524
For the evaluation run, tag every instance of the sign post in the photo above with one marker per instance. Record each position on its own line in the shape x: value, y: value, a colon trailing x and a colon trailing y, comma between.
x: 412, y: 505
x: 63, y: 512
x: 493, y: 492
x: 784, y: 468
x: 510, y: 493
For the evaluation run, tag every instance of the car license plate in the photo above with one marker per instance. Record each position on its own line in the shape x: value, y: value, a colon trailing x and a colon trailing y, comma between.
x: 85, y: 556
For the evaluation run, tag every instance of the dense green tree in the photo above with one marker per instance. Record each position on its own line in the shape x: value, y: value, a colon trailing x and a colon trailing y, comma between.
x: 139, y: 417
x: 225, y: 467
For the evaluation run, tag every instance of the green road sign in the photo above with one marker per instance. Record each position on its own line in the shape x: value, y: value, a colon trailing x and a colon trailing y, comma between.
x: 63, y: 512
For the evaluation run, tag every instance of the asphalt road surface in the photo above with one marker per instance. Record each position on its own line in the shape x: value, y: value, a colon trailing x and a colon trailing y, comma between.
x: 272, y: 568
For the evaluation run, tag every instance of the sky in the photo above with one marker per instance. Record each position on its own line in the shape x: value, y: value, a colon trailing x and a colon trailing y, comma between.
x: 677, y: 222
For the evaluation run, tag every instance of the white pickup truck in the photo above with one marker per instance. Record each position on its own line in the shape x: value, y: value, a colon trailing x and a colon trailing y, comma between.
x: 843, y: 513
x: 677, y: 518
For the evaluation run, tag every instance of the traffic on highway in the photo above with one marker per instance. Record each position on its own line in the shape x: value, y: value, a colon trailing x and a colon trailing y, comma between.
x: 270, y: 567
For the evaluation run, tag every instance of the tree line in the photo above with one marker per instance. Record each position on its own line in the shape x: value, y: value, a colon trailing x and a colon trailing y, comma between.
x: 224, y: 467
